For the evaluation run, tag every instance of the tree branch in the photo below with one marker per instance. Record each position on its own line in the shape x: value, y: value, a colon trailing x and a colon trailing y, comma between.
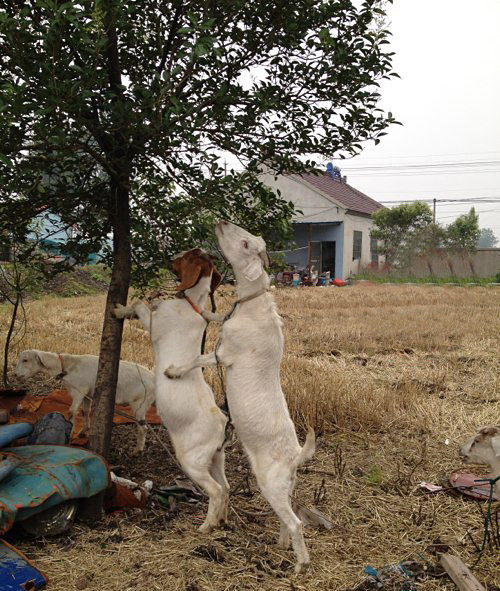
x: 171, y: 34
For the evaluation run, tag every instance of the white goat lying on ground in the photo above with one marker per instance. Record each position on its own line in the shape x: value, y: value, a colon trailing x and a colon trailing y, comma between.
x: 78, y: 373
x: 187, y: 407
x: 251, y: 348
x: 484, y: 448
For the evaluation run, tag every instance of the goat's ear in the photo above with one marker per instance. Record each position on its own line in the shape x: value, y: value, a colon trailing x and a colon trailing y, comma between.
x: 253, y: 270
x: 489, y: 431
x: 495, y: 444
x: 265, y: 258
x: 189, y: 275
x: 216, y: 279
x: 43, y: 359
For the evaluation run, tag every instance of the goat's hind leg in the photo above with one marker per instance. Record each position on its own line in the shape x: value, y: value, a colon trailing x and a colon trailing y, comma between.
x: 276, y: 489
x: 202, y: 477
x: 284, y: 539
x: 218, y: 473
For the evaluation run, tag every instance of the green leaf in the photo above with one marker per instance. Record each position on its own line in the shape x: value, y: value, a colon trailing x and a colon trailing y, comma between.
x: 6, y: 160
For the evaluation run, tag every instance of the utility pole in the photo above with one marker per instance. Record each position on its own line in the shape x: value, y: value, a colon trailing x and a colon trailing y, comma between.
x: 434, y: 210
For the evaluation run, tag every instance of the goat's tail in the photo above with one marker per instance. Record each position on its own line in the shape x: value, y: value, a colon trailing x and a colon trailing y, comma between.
x: 308, y: 449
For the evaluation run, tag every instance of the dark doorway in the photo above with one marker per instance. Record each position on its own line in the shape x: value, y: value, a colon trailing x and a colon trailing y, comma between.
x: 328, y: 257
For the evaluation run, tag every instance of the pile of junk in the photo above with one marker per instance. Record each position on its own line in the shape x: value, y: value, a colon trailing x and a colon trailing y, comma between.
x: 44, y: 476
x: 307, y: 277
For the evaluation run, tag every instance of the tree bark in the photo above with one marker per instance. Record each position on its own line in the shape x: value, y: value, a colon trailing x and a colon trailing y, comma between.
x: 111, y: 339
x: 7, y: 340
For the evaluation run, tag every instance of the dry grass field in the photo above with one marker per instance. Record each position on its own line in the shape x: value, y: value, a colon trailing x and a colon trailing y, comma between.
x: 393, y: 378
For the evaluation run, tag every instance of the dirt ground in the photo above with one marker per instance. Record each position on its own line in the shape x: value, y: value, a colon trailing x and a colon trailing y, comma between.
x: 393, y: 378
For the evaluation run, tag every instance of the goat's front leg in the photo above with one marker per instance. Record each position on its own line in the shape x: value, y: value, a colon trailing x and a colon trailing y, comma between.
x: 77, y: 399
x: 120, y: 311
x: 212, y: 317
x: 86, y: 415
x: 138, y: 310
x: 144, y: 313
x: 208, y: 360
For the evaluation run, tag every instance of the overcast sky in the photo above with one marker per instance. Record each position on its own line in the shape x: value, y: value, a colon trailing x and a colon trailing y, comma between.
x: 448, y: 99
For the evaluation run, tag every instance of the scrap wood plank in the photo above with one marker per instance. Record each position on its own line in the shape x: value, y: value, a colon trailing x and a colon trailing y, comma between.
x: 460, y: 574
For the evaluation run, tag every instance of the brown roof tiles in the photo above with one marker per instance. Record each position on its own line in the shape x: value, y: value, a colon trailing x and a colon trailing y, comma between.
x: 351, y: 198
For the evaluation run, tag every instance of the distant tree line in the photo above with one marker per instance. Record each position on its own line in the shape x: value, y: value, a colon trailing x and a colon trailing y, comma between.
x: 408, y: 231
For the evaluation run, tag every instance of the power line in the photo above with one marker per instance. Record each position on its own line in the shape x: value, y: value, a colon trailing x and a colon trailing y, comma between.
x: 404, y: 167
x: 412, y: 191
x: 459, y: 213
x: 414, y: 156
x: 449, y: 200
x: 420, y: 173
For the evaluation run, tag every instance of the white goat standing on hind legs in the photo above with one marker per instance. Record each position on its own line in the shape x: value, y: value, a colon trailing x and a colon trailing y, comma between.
x: 187, y: 407
x: 251, y: 348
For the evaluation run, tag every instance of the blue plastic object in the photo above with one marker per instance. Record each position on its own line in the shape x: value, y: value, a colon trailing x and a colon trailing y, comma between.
x: 9, y: 433
x: 7, y: 464
x: 16, y: 571
x: 46, y: 476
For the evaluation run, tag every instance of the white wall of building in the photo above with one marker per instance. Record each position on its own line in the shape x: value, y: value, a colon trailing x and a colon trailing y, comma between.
x: 363, y: 225
x: 315, y: 207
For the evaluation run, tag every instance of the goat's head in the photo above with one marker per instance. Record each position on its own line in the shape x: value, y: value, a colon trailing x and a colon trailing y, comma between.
x: 31, y: 362
x: 246, y: 252
x: 192, y: 265
x: 483, y: 448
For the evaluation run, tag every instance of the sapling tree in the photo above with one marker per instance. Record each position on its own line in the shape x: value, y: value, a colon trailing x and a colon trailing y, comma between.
x: 404, y: 232
x: 117, y: 115
x: 462, y: 235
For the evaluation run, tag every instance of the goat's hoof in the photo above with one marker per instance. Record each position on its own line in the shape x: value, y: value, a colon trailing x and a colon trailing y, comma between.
x: 283, y: 544
x: 301, y: 567
x: 205, y: 528
x: 120, y: 311
x: 172, y: 372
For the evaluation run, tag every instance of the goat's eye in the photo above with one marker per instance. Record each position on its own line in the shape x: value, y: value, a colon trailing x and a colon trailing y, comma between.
x: 244, y: 243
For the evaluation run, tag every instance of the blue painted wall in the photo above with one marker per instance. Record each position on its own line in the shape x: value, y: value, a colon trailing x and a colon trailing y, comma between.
x: 46, y: 226
x: 321, y: 233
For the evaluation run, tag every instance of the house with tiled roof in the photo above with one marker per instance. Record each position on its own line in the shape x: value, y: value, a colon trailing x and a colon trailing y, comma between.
x: 332, y: 230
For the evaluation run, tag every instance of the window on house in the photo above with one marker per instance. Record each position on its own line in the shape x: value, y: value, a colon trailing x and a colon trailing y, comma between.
x: 356, y: 245
x: 374, y: 250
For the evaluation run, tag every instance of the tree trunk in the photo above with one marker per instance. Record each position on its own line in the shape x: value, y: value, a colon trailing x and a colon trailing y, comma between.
x: 109, y: 356
x: 7, y: 340
x: 103, y: 404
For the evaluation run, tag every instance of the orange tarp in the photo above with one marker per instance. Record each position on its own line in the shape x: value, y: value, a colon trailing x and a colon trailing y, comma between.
x: 32, y: 408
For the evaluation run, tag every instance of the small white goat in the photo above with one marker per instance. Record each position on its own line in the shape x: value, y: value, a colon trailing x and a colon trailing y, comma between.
x: 484, y: 448
x: 78, y: 373
x: 251, y: 348
x: 187, y: 407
